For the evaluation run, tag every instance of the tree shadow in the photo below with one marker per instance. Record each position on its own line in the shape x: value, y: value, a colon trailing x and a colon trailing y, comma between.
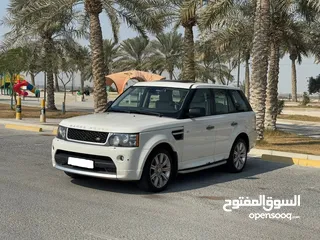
x: 186, y: 182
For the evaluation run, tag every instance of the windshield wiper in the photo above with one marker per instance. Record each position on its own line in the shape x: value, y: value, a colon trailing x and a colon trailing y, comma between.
x: 146, y: 112
x: 118, y: 110
x: 136, y: 111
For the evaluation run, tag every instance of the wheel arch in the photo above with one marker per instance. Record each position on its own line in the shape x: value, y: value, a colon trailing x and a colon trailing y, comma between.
x: 167, y: 146
x: 245, y: 137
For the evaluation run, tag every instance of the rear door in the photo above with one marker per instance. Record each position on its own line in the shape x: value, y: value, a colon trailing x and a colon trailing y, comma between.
x: 199, y: 132
x: 225, y: 123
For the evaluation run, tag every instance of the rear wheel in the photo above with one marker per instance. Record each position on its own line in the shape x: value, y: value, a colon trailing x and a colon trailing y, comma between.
x: 74, y: 176
x: 238, y: 156
x: 157, y: 172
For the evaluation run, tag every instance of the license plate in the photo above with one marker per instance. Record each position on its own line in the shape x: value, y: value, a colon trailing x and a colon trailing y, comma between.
x: 79, y: 162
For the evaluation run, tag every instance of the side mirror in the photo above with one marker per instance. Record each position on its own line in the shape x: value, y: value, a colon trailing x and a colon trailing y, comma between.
x: 197, y: 112
x: 109, y: 104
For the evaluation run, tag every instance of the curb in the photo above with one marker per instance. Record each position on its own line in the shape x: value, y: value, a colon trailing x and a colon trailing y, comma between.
x: 291, y: 161
x: 305, y: 160
x: 55, y: 131
x: 23, y: 127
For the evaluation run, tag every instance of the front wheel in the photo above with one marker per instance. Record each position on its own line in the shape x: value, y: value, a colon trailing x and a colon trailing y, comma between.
x: 238, y: 156
x: 157, y: 171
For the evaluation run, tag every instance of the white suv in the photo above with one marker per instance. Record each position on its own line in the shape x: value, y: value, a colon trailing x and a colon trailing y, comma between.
x: 155, y: 130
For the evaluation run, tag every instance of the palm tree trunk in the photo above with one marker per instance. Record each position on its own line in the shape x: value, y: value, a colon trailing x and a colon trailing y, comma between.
x: 188, y: 68
x: 33, y: 79
x: 171, y: 74
x: 49, y: 69
x: 81, y: 82
x: 272, y: 88
x: 247, y: 79
x: 294, y: 80
x: 260, y: 63
x: 56, y: 83
x: 94, y: 8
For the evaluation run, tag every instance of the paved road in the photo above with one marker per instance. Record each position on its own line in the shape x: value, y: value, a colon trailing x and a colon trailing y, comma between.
x: 39, y: 202
x: 315, y: 112
x: 303, y: 128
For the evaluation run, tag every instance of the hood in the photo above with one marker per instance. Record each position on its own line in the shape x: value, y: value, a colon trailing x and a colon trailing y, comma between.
x: 119, y: 122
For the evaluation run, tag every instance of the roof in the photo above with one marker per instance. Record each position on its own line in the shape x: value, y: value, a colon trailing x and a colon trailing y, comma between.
x: 183, y: 84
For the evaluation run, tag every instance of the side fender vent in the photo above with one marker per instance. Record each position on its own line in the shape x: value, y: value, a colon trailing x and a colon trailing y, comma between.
x: 178, y: 134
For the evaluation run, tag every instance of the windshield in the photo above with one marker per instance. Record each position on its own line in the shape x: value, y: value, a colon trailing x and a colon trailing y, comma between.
x: 160, y: 101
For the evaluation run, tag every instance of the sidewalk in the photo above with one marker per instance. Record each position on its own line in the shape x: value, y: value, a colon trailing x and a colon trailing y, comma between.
x: 31, y: 124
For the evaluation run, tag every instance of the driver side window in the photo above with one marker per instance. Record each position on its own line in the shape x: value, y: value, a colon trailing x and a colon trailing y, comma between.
x: 202, y: 99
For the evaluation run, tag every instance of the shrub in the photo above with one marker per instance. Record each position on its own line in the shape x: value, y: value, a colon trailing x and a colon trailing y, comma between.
x: 280, y: 106
x: 305, y: 99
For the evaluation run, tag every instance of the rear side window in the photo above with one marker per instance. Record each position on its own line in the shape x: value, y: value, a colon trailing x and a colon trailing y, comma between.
x: 240, y: 103
x: 222, y: 102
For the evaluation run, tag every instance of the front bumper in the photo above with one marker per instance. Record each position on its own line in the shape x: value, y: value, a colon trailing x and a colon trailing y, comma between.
x: 107, y: 163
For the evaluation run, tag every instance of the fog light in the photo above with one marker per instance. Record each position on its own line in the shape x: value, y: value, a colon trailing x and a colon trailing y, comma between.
x: 120, y: 157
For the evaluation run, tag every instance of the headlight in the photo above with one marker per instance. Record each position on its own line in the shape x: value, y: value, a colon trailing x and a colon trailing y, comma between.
x: 62, y: 132
x: 123, y: 140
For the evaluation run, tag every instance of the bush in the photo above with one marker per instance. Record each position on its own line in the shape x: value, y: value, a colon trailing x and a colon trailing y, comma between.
x: 280, y: 106
x: 305, y: 99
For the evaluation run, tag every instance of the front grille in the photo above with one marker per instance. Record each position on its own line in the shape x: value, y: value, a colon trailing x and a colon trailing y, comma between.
x: 87, y: 136
x: 101, y: 163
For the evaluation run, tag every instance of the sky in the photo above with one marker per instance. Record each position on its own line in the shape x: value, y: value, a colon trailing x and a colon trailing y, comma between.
x: 304, y: 71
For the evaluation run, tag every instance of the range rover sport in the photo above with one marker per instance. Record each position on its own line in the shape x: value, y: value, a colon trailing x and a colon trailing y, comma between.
x: 155, y: 130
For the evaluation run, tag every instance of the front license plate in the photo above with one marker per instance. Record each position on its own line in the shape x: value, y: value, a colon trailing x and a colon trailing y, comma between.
x: 79, y: 162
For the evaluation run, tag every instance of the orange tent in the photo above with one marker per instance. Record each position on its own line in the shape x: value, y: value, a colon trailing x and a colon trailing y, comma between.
x: 121, y: 78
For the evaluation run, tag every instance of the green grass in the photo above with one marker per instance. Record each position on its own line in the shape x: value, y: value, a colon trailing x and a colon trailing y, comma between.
x: 289, y: 142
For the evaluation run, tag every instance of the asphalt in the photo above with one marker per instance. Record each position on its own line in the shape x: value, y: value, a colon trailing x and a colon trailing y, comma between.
x: 309, y: 129
x: 40, y: 202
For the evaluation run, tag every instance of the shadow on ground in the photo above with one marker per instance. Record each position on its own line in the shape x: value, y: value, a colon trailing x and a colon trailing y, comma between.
x: 186, y: 182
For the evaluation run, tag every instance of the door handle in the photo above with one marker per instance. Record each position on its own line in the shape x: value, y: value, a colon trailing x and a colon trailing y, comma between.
x: 234, y: 124
x: 210, y: 127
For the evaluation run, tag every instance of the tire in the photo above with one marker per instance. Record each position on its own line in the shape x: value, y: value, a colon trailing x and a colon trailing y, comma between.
x: 238, y: 156
x: 156, y: 176
x: 74, y: 176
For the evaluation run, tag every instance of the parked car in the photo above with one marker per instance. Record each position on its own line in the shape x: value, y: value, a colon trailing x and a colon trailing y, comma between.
x: 155, y: 130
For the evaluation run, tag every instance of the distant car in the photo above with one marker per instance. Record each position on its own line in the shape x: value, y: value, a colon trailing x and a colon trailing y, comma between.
x: 155, y: 130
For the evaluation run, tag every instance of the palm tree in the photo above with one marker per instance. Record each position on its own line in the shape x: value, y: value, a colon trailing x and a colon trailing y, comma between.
x: 260, y: 50
x: 27, y: 23
x: 287, y: 35
x: 236, y: 35
x: 83, y: 63
x: 34, y: 61
x: 141, y: 15
x: 185, y: 13
x: 297, y: 48
x: 166, y: 52
x: 133, y: 54
x: 210, y: 64
x: 110, y: 52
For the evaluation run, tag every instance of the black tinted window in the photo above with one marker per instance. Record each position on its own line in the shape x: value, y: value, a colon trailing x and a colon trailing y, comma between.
x: 202, y: 99
x: 239, y: 101
x: 222, y: 102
